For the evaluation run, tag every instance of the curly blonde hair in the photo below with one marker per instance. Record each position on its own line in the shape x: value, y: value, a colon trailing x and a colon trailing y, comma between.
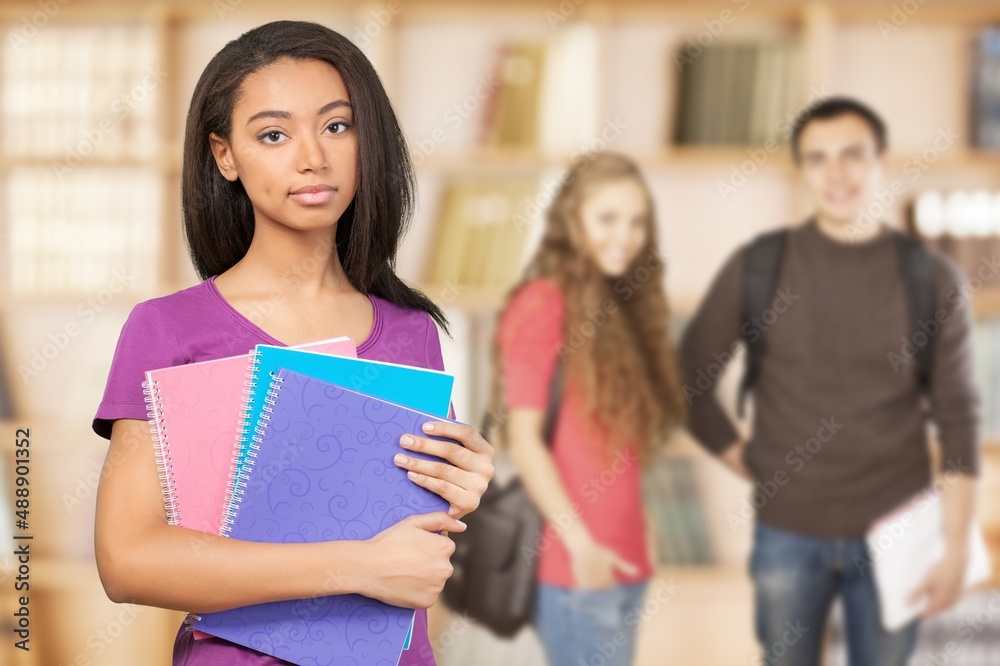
x: 625, y: 364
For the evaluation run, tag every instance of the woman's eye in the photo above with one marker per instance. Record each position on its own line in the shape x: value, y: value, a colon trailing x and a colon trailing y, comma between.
x: 269, y: 135
x: 340, y: 126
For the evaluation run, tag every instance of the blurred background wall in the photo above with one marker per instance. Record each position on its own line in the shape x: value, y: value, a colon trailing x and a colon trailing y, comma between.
x: 496, y: 98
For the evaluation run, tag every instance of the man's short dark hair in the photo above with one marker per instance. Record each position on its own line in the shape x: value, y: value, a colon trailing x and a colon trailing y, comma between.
x: 833, y: 107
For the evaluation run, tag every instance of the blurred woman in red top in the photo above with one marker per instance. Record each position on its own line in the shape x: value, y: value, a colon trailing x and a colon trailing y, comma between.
x: 593, y: 297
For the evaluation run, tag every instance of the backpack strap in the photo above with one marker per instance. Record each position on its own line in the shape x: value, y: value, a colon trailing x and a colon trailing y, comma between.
x: 761, y: 264
x: 556, y: 389
x: 555, y: 402
x: 917, y: 267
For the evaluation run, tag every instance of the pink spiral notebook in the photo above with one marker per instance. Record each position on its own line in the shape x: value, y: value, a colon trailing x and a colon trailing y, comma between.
x: 196, y: 414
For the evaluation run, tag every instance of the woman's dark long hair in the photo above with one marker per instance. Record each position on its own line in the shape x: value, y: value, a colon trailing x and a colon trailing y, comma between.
x: 218, y: 215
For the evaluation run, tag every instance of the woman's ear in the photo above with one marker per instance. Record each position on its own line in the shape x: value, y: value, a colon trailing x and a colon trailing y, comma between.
x: 223, y: 154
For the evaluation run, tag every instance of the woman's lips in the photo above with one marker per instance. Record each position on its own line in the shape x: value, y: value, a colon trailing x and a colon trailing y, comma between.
x: 313, y: 195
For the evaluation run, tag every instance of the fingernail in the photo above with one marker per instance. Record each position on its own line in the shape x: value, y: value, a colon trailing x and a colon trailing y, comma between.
x: 428, y: 426
x: 460, y: 523
x: 412, y: 475
x: 406, y: 440
x: 400, y: 459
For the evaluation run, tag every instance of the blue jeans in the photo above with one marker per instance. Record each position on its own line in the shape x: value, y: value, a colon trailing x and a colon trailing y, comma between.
x: 589, y: 627
x: 796, y: 579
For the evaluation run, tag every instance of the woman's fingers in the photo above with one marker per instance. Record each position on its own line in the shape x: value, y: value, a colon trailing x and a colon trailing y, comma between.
x: 462, y: 501
x: 450, y: 473
x: 458, y: 455
x: 466, y: 434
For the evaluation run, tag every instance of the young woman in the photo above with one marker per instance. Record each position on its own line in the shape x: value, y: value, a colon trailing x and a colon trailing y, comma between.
x: 592, y: 302
x: 296, y: 189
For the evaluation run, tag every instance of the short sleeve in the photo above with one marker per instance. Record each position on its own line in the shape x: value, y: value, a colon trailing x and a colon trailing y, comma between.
x: 145, y: 343
x: 530, y: 337
x: 432, y: 349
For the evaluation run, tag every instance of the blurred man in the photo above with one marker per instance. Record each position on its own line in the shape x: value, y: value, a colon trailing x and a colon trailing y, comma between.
x: 843, y: 382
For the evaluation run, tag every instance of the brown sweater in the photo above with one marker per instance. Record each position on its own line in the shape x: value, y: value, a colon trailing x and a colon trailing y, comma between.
x: 839, y: 435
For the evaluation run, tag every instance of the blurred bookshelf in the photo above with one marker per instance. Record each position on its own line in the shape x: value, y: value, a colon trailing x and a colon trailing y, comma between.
x: 496, y: 100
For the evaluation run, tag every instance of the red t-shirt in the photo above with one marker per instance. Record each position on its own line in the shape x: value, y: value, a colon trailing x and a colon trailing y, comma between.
x: 605, y: 487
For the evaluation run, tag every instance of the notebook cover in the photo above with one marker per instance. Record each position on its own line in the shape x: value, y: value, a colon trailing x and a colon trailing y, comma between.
x: 322, y: 469
x: 903, y: 547
x: 202, y: 403
x: 195, y: 411
x: 417, y: 388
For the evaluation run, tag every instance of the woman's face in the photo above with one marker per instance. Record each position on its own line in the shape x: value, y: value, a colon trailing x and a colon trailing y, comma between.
x: 614, y: 218
x: 293, y: 144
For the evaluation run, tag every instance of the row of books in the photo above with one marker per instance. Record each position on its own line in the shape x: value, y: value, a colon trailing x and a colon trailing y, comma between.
x: 72, y: 92
x: 482, y: 233
x: 101, y: 233
x: 296, y: 445
x: 737, y: 93
x: 670, y: 488
x: 986, y: 90
x: 546, y: 93
x: 958, y: 213
x: 986, y: 345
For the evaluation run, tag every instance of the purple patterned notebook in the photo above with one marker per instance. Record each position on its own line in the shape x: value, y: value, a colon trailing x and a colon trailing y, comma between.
x: 322, y: 470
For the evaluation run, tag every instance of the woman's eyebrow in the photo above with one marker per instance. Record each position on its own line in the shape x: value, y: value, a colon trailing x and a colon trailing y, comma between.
x: 285, y: 115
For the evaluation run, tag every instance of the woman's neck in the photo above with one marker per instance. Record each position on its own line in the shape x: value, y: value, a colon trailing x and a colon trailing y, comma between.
x: 284, y: 259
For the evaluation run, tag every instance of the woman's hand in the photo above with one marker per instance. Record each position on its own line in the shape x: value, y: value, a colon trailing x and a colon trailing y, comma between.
x: 407, y: 564
x: 463, y: 482
x: 594, y: 565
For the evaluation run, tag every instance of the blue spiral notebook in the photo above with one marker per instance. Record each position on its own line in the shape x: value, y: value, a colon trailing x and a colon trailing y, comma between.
x: 321, y: 469
x: 417, y: 388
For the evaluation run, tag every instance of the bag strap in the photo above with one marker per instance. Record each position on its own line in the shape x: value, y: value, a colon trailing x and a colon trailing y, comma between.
x: 555, y: 402
x: 917, y: 267
x: 556, y: 389
x: 761, y: 264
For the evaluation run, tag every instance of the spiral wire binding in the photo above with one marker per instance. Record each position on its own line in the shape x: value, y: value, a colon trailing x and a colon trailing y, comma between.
x: 242, y: 477
x: 246, y: 403
x: 164, y: 464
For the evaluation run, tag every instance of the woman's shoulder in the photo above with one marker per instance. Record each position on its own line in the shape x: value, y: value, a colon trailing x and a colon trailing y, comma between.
x: 535, y: 308
x: 402, y: 334
x: 536, y: 294
x: 179, y: 302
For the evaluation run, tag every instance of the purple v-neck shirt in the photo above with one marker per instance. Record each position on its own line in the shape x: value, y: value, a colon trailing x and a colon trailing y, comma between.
x: 198, y: 324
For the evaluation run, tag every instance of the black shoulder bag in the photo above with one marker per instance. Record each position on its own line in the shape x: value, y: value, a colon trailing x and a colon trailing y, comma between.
x: 496, y: 557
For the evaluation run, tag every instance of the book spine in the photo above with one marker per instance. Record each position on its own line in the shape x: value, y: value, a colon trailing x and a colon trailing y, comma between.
x: 243, y: 433
x: 246, y: 469
x: 164, y: 465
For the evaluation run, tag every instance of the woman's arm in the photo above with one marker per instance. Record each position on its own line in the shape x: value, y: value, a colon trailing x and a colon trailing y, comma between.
x: 592, y: 562
x: 141, y: 559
